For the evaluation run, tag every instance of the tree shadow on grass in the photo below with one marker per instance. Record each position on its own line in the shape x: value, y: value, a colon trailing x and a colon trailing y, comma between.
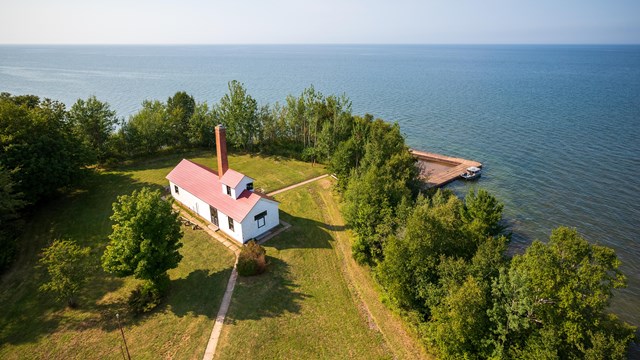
x: 39, y: 314
x: 200, y: 293
x: 81, y: 215
x: 271, y: 294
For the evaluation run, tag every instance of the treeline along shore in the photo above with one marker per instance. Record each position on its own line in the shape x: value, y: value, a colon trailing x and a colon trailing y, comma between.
x: 441, y: 261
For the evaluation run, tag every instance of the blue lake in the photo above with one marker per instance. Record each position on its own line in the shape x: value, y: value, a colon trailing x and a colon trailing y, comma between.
x: 557, y: 127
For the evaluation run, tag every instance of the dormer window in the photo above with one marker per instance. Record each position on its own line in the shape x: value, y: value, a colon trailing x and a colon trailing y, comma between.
x: 228, y: 190
x: 250, y: 186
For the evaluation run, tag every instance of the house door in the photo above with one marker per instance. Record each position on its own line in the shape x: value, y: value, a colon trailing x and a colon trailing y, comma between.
x: 197, y: 212
x: 214, y: 215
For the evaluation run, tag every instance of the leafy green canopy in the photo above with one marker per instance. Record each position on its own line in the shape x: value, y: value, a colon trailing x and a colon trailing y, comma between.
x: 93, y: 122
x: 66, y: 266
x: 145, y: 239
x: 180, y: 108
x: 379, y: 188
x: 38, y: 147
x: 553, y: 299
x: 10, y: 205
x: 238, y: 111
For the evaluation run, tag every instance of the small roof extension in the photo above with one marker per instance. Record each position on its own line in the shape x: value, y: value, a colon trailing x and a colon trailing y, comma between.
x: 232, y: 178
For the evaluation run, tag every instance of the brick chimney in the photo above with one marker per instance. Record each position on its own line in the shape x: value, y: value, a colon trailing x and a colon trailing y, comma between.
x: 221, y: 150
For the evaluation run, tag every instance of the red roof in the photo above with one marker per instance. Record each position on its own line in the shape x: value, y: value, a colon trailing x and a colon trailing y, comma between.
x: 232, y: 178
x: 205, y: 184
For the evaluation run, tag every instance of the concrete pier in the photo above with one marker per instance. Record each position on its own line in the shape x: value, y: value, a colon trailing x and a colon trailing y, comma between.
x: 438, y: 170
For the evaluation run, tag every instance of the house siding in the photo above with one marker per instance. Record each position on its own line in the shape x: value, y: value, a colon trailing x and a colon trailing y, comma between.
x: 250, y: 225
x: 202, y: 209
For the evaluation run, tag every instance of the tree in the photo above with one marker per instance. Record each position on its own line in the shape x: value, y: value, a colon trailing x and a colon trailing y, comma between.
x: 483, y: 214
x: 38, y: 147
x: 93, y: 123
x: 10, y: 203
x: 238, y: 112
x: 559, y: 291
x: 145, y: 239
x: 180, y: 108
x: 147, y: 130
x: 409, y: 272
x: 459, y: 322
x: 201, y: 125
x: 66, y: 266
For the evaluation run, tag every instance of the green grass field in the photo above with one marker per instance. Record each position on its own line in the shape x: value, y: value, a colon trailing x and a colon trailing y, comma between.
x: 34, y: 326
x: 302, y: 307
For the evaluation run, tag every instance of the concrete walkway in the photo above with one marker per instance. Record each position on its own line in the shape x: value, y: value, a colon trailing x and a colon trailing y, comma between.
x: 226, y: 299
x: 235, y: 248
x: 222, y: 313
x: 229, y: 244
x: 296, y: 185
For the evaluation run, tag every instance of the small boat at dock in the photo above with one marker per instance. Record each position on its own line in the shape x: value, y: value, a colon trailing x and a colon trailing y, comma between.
x: 472, y: 173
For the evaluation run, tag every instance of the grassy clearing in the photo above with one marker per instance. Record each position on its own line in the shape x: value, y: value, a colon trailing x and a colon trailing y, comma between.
x: 314, y: 302
x: 302, y: 308
x: 270, y: 172
x: 34, y: 326
x: 401, y: 340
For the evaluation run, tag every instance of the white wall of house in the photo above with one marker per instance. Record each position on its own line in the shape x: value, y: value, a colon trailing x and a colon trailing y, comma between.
x: 242, y: 232
x: 187, y: 199
x: 224, y: 190
x: 236, y: 191
x: 223, y: 225
x: 242, y: 185
x: 250, y: 225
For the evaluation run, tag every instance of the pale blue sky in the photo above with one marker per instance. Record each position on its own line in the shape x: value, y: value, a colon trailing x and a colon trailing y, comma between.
x: 324, y: 21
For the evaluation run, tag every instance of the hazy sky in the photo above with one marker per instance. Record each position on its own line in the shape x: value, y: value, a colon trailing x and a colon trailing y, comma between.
x: 320, y: 21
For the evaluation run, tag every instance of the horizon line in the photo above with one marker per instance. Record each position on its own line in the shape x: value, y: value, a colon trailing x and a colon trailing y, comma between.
x: 320, y: 44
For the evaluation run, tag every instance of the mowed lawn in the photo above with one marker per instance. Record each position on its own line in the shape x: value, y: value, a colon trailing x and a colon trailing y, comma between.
x: 302, y: 307
x: 33, y: 325
x: 270, y: 172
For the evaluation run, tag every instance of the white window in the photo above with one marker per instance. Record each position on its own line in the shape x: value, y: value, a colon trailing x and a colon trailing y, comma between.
x: 175, y: 188
x: 231, y: 224
x: 260, y: 218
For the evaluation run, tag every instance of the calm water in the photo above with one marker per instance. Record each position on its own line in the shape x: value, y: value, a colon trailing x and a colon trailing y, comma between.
x: 557, y: 127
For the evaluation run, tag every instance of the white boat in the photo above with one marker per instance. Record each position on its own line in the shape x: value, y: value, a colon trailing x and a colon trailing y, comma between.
x: 472, y: 173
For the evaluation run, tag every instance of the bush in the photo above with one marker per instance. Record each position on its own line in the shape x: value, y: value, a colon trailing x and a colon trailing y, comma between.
x: 144, y: 298
x: 66, y: 266
x: 361, y: 252
x: 252, y: 259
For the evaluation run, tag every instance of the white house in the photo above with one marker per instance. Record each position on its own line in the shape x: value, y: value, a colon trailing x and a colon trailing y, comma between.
x: 226, y: 198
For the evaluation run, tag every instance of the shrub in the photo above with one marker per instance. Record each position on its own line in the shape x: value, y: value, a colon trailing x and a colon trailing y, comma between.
x: 144, y: 298
x: 66, y: 265
x: 252, y: 259
x: 361, y: 252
